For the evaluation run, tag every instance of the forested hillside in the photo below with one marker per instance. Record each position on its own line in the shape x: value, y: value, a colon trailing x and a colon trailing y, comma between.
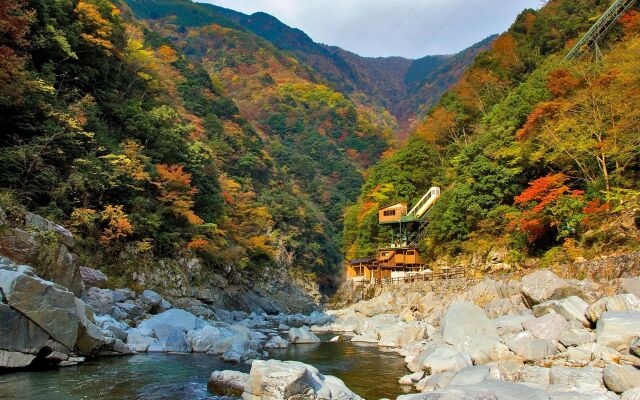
x: 536, y: 156
x: 151, y: 140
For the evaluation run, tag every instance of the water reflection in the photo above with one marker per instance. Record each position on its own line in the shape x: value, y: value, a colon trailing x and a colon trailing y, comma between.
x: 364, y: 368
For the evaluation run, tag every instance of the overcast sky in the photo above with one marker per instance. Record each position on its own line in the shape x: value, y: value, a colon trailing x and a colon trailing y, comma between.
x: 409, y: 28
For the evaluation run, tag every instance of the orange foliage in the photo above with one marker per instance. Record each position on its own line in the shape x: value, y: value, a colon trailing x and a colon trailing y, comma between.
x: 118, y: 225
x: 504, y: 49
x: 543, y: 110
x: 543, y: 191
x: 167, y: 54
x: 14, y: 25
x: 175, y: 190
x: 529, y: 19
x: 98, y: 26
x: 541, y: 194
x: 440, y: 126
x: 631, y: 22
x: 560, y: 82
x: 198, y: 244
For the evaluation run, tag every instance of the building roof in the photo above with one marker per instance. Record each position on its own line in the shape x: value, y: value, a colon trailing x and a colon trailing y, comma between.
x: 397, y: 205
x: 361, y: 260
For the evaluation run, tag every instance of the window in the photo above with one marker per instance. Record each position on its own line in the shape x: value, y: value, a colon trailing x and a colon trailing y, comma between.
x: 389, y: 213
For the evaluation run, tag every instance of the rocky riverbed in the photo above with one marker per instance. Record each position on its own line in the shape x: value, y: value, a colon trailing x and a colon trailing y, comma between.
x: 539, y: 337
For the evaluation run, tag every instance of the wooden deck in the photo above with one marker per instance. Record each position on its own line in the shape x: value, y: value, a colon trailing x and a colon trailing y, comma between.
x: 416, y: 277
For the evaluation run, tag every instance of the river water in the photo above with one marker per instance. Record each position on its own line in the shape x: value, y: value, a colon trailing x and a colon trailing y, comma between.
x: 365, y: 369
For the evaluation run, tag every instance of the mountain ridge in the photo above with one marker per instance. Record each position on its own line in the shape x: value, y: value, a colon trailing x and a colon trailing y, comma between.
x: 383, y: 80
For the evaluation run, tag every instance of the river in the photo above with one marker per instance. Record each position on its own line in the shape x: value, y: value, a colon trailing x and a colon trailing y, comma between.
x: 366, y: 370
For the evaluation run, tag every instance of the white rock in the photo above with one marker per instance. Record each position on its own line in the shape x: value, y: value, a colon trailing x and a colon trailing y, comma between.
x: 548, y: 326
x: 576, y: 337
x: 631, y: 394
x: 620, y: 378
x: 402, y: 333
x: 568, y: 379
x: 227, y: 383
x: 464, y: 320
x: 276, y: 342
x: 617, y: 328
x: 623, y: 302
x: 528, y: 347
x: 596, y: 309
x: 571, y: 308
x: 273, y: 379
x: 140, y: 343
x: 174, y: 318
x: 470, y: 375
x: 302, y: 335
x: 411, y: 378
x: 544, y: 285
x: 509, y: 324
x: 445, y: 359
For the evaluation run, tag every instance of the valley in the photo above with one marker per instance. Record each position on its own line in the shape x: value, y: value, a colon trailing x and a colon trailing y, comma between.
x: 201, y: 203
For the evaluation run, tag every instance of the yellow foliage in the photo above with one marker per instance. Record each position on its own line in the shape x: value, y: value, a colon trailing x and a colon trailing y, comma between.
x: 100, y: 28
x: 175, y: 190
x: 118, y: 225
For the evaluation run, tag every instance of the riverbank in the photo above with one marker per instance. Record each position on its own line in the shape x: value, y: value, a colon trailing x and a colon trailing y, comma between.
x: 535, y: 337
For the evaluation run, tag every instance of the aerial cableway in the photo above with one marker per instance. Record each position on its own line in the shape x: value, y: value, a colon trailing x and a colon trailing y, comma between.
x: 589, y: 42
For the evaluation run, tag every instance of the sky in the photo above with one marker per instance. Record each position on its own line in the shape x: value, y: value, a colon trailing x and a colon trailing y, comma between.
x: 408, y: 28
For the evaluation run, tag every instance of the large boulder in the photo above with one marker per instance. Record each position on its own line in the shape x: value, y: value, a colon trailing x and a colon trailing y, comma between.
x: 92, y: 277
x: 302, y: 335
x: 617, y: 328
x: 275, y: 380
x: 529, y: 347
x: 572, y: 308
x: 140, y: 343
x: 203, y: 339
x: 543, y: 285
x: 20, y: 339
x: 620, y: 378
x: 464, y: 320
x: 151, y: 299
x: 596, y: 309
x: 227, y: 383
x: 567, y: 379
x: 623, y: 302
x: 508, y: 324
x: 49, y: 254
x: 48, y: 305
x: 37, y: 222
x: 276, y: 342
x: 242, y: 350
x: 372, y: 326
x: 576, y: 337
x: 174, y: 318
x: 401, y: 334
x: 90, y: 338
x: 443, y: 359
x: 548, y: 326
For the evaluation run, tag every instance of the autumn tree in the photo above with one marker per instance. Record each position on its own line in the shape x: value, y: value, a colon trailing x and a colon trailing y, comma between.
x: 174, y: 184
x: 548, y: 207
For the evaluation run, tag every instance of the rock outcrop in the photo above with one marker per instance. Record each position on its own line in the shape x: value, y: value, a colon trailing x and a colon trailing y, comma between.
x: 44, y: 321
x: 274, y: 380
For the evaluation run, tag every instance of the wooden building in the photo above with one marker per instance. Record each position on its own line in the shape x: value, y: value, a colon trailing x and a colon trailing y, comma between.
x: 401, y: 260
x: 390, y: 263
x: 392, y: 214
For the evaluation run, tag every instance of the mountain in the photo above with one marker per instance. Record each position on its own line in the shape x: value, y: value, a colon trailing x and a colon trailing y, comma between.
x: 536, y: 157
x: 405, y: 87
